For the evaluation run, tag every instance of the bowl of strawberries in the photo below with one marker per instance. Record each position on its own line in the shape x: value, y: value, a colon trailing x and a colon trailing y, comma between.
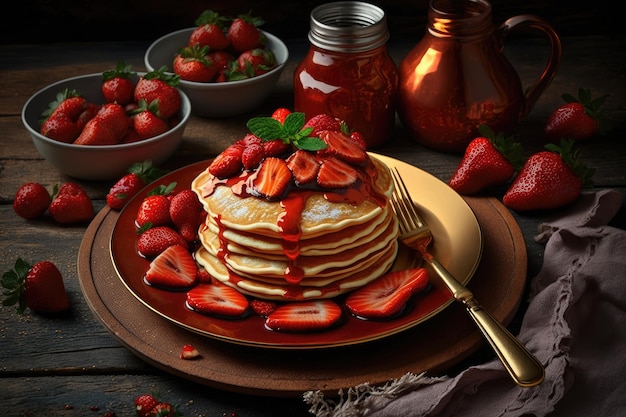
x: 95, y: 126
x: 227, y: 66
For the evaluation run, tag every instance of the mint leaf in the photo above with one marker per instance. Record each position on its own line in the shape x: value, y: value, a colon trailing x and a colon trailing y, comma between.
x: 266, y: 128
x: 294, y: 122
x: 292, y: 132
x: 311, y: 143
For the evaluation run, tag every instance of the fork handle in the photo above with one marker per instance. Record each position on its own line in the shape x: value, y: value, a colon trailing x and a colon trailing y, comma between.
x: 521, y: 364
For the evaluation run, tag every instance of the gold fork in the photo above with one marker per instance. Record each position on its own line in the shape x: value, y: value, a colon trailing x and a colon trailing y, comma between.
x: 522, y: 365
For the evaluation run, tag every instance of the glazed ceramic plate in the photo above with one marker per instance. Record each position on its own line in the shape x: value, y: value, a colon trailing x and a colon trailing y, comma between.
x: 457, y: 245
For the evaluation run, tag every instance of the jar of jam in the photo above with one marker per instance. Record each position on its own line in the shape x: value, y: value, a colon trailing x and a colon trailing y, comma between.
x: 347, y: 72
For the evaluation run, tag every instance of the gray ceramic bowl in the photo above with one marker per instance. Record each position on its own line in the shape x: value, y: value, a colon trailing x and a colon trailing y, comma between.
x: 218, y: 100
x: 105, y: 162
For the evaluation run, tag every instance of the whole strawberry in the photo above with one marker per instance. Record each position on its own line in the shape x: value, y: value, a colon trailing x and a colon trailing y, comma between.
x: 71, y: 204
x: 185, y: 211
x: 144, y: 404
x: 31, y: 200
x: 193, y: 63
x: 489, y: 160
x: 117, y: 86
x: 580, y: 119
x: 39, y: 288
x: 139, y: 175
x: 549, y: 179
x: 210, y: 31
x: 160, y: 85
x: 244, y: 33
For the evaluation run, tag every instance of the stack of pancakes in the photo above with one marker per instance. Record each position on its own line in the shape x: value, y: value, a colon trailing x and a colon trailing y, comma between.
x: 306, y: 246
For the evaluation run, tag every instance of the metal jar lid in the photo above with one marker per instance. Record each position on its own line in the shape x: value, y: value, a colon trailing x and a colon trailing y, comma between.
x: 348, y: 26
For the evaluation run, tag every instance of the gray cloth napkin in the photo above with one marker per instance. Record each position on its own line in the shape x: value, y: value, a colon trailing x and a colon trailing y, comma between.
x: 575, y: 324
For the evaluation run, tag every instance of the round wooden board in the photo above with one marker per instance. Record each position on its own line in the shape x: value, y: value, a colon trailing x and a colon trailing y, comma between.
x: 433, y: 346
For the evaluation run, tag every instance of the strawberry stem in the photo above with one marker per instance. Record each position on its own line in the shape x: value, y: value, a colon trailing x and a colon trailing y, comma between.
x: 571, y: 157
x: 13, y: 284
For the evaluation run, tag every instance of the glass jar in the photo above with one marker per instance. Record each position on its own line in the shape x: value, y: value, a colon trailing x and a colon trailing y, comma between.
x: 347, y: 72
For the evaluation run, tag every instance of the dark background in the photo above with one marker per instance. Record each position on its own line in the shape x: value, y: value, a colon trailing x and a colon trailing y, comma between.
x: 50, y: 21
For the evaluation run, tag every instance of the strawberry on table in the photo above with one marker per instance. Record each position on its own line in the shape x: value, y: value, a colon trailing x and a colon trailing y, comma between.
x: 210, y: 31
x: 39, y: 287
x: 160, y: 85
x: 189, y: 352
x: 489, y: 160
x: 386, y: 296
x: 549, y: 179
x: 580, y: 119
x: 144, y: 404
x: 139, y: 175
x: 244, y: 33
x: 71, y: 204
x: 31, y: 200
x: 217, y: 299
x: 117, y: 86
x: 174, y: 268
x: 304, y: 316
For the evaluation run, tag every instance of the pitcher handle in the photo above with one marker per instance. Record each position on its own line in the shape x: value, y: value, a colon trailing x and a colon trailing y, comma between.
x: 535, y: 23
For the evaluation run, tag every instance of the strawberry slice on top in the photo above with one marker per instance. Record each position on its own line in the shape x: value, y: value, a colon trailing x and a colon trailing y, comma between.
x: 386, y: 296
x: 174, y: 268
x: 304, y: 316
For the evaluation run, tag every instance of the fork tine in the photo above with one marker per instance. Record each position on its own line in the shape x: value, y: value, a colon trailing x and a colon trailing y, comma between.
x: 404, y: 205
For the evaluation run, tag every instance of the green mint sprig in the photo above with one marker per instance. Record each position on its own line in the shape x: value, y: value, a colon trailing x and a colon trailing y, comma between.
x: 291, y: 132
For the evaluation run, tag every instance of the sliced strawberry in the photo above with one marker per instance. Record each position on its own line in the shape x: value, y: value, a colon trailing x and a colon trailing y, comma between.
x: 304, y: 316
x: 272, y: 178
x: 156, y: 239
x: 334, y: 173
x: 344, y: 148
x: 174, y: 268
x: 303, y: 165
x: 189, y: 352
x: 218, y: 299
x: 387, y: 295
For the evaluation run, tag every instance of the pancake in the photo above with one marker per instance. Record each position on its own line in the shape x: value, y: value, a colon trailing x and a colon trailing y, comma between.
x: 311, y: 243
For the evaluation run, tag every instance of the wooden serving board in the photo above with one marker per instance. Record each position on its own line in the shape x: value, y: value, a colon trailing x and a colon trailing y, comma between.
x: 433, y: 346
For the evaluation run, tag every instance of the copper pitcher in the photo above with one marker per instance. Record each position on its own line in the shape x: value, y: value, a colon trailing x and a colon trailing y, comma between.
x: 457, y: 76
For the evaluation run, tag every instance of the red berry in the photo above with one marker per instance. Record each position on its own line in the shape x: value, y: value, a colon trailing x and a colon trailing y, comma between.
x: 31, y: 200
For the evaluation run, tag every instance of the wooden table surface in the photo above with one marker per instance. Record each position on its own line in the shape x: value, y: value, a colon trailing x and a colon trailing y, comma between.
x: 73, y: 366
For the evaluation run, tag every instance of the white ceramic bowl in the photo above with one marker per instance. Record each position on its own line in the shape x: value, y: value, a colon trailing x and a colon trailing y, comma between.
x: 218, y: 100
x: 106, y: 162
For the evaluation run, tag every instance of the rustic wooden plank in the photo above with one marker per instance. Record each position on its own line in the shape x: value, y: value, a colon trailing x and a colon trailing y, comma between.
x: 66, y: 396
